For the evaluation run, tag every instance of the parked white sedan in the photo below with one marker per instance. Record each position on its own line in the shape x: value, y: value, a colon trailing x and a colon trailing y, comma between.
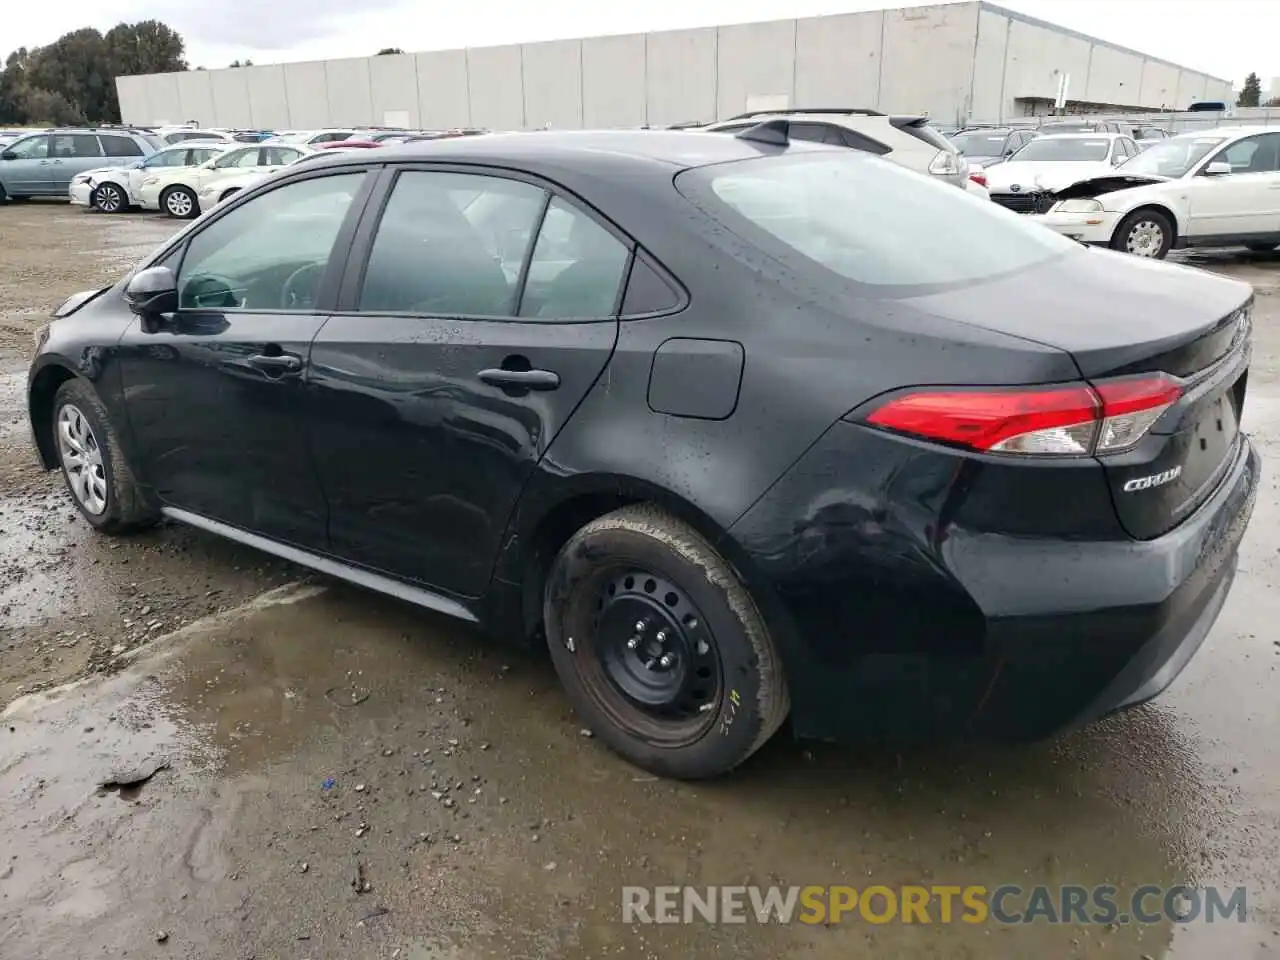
x: 1053, y: 161
x: 1217, y: 188
x: 221, y: 189
x: 115, y: 189
x: 176, y: 192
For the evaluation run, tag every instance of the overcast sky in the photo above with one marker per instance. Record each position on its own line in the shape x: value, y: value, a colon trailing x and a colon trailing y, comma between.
x: 1225, y: 38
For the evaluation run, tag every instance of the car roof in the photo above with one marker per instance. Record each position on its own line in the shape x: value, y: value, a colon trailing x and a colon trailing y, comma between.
x: 1093, y: 135
x: 582, y: 149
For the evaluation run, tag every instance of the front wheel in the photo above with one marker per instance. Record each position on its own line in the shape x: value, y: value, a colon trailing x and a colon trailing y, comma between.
x: 109, y: 198
x: 660, y: 646
x: 1144, y: 233
x: 101, y: 484
x: 180, y: 202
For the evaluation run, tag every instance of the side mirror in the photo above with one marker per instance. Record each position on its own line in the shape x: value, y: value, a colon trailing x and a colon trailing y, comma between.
x: 1219, y: 168
x: 8, y: 155
x: 152, y: 292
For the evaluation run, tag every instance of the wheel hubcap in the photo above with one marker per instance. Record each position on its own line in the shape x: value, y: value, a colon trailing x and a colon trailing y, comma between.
x: 1145, y: 239
x: 655, y: 647
x: 179, y: 204
x: 109, y: 199
x: 82, y: 460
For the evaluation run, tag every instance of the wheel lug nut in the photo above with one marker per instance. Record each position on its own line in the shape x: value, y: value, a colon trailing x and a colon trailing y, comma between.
x: 640, y: 625
x: 633, y: 642
x: 662, y: 636
x: 667, y: 659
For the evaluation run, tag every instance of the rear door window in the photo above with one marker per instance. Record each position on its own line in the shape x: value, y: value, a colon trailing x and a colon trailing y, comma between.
x: 118, y: 146
x: 576, y: 269
x: 873, y: 224
x: 74, y: 146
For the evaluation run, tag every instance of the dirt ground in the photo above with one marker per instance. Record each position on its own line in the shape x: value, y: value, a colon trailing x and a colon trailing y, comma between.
x: 331, y: 774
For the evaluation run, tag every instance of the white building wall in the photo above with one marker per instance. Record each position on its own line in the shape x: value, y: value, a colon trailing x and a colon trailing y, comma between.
x: 953, y: 61
x: 613, y: 82
x: 680, y: 76
x: 307, y: 87
x: 393, y: 82
x: 755, y: 67
x: 552, y: 84
x: 838, y: 60
x: 443, y: 97
x: 927, y: 58
x: 495, y: 83
x: 268, y: 97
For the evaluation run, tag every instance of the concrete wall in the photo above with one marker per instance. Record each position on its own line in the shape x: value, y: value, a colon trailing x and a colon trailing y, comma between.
x: 1020, y: 58
x: 953, y: 61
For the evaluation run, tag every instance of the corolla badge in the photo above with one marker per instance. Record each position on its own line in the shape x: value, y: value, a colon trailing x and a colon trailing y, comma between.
x: 1154, y: 480
x: 1016, y: 188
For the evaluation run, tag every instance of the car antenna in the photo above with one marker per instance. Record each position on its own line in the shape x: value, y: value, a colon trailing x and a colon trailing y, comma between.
x: 776, y: 132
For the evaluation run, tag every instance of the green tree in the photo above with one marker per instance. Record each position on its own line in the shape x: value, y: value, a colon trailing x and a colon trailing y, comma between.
x: 1251, y: 92
x: 385, y: 51
x: 240, y: 63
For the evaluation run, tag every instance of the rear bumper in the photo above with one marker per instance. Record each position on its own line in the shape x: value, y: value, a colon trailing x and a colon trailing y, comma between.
x: 902, y: 628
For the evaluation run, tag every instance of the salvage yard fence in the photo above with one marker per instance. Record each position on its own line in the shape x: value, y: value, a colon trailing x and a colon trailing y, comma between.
x: 1174, y: 122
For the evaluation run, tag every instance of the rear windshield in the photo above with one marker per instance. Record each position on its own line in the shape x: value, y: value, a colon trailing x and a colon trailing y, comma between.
x: 868, y: 220
x: 1065, y: 149
x: 980, y: 144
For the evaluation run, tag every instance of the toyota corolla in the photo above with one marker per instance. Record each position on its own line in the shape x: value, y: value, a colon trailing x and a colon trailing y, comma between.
x: 743, y: 429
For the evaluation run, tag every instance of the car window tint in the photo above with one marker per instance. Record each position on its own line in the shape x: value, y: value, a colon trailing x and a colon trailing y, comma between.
x: 576, y: 267
x: 270, y: 252
x: 279, y: 156
x: 806, y: 130
x: 451, y: 244
x: 1252, y: 155
x: 647, y: 291
x: 247, y: 157
x: 74, y: 145
x: 166, y: 158
x: 874, y: 224
x: 117, y: 146
x: 33, y: 148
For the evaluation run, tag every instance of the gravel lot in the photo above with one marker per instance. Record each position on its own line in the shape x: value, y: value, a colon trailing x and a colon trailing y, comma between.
x: 309, y: 741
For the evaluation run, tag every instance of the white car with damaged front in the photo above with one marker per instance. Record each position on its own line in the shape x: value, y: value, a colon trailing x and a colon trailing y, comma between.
x: 1215, y: 188
x: 1054, y: 161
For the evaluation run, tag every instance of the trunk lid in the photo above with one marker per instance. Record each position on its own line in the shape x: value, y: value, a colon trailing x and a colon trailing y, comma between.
x: 1118, y: 315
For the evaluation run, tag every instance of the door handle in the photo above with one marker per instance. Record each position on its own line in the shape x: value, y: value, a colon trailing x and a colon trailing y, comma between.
x: 521, y: 379
x: 279, y: 364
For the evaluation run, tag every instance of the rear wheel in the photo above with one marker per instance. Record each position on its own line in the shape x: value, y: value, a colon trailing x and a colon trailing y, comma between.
x: 1144, y: 233
x: 660, y: 646
x: 101, y: 484
x: 109, y: 198
x: 180, y: 202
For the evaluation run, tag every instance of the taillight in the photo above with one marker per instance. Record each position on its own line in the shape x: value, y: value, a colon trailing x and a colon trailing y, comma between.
x: 1065, y: 420
x: 979, y: 178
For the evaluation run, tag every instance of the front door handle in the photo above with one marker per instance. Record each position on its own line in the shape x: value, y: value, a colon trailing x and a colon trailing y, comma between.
x: 521, y: 379
x: 278, y: 365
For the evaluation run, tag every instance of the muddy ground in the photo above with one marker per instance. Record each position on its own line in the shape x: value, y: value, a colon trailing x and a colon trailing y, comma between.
x: 337, y: 775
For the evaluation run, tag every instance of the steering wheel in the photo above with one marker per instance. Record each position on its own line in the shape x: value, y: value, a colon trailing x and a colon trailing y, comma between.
x: 210, y: 291
x: 299, y: 291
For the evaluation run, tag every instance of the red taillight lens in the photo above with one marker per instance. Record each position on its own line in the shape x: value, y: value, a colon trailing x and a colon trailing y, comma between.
x: 979, y: 178
x: 1067, y: 420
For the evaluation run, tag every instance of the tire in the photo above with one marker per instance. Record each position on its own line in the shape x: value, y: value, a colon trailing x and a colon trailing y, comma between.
x: 80, y: 420
x: 1144, y: 233
x: 180, y: 203
x: 109, y: 198
x: 1262, y: 247
x: 640, y: 566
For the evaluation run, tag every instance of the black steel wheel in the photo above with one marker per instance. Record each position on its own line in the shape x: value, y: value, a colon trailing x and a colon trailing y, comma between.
x: 661, y: 647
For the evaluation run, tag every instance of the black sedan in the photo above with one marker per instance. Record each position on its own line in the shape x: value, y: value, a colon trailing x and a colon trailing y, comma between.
x: 742, y: 429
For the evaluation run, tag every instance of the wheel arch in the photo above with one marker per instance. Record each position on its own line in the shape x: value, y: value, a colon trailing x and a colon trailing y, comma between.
x: 1162, y: 208
x: 44, y: 387
x: 549, y: 514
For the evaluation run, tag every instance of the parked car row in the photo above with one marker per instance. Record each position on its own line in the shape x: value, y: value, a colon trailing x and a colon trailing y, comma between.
x: 106, y: 167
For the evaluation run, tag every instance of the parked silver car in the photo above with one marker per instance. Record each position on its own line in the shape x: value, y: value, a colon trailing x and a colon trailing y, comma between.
x: 43, y: 164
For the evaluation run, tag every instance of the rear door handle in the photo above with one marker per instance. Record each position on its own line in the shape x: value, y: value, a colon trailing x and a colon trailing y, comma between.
x: 521, y: 379
x: 279, y: 364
